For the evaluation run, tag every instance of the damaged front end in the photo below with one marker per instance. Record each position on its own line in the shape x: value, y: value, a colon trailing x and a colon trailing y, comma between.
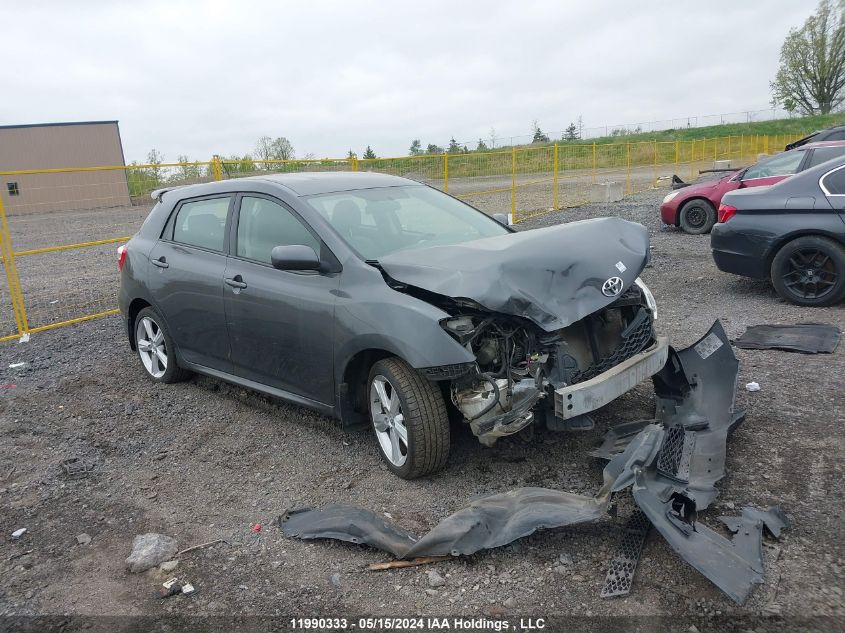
x: 555, y: 324
x: 520, y: 366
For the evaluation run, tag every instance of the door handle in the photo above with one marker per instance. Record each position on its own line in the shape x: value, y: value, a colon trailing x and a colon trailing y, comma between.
x: 161, y: 262
x: 236, y: 282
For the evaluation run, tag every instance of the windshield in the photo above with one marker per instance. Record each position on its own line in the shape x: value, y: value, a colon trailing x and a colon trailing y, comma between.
x: 376, y: 222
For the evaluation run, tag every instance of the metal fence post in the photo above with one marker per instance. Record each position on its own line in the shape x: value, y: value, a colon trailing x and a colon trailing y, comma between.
x: 654, y: 168
x: 446, y: 173
x: 554, y: 179
x: 676, y: 155
x: 217, y: 167
x: 594, y: 162
x: 766, y: 144
x: 513, y: 184
x: 12, y: 279
x: 692, y: 160
x: 354, y: 161
x: 628, y: 187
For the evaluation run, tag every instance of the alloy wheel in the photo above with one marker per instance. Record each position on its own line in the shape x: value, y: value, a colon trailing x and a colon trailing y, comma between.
x: 388, y: 420
x: 810, y: 273
x: 151, y: 346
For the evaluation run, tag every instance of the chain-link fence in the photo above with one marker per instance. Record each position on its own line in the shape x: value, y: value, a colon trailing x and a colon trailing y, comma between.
x: 59, y: 228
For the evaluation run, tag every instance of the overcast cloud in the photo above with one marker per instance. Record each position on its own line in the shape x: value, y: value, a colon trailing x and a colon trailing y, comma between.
x: 200, y: 78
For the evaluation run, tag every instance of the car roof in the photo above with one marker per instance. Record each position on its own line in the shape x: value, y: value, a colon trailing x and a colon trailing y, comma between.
x: 822, y: 144
x: 309, y: 183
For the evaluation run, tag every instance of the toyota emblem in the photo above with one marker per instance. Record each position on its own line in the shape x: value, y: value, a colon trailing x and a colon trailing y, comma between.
x: 612, y: 287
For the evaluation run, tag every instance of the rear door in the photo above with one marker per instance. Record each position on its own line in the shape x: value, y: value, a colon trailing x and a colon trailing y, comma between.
x: 186, y: 280
x: 281, y: 323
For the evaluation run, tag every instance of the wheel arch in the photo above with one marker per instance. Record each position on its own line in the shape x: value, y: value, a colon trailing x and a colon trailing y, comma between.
x: 782, y: 241
x: 352, y: 383
x: 135, y: 307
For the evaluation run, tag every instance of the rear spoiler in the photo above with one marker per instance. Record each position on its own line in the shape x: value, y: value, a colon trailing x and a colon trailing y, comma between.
x: 158, y: 193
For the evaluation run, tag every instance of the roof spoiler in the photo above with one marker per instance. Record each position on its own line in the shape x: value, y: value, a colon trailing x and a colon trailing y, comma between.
x: 158, y: 193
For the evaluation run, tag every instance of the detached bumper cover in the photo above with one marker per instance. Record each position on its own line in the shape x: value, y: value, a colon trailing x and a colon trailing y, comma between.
x: 671, y: 463
x: 592, y: 394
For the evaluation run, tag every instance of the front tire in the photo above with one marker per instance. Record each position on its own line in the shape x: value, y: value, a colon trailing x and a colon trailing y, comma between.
x: 409, y: 419
x: 155, y: 348
x: 810, y: 271
x: 697, y: 217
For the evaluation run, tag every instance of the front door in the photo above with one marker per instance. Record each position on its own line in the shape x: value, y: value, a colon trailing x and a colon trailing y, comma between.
x: 280, y: 322
x: 186, y: 280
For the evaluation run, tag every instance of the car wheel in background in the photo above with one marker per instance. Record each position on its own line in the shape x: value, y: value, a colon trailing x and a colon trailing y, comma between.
x: 810, y: 271
x: 409, y: 418
x: 155, y: 348
x: 697, y: 216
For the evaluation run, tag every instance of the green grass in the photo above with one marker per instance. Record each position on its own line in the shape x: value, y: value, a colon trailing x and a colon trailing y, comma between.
x: 797, y: 125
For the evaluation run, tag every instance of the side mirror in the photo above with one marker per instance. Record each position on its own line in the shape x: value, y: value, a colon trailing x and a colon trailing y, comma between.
x: 295, y: 257
x: 501, y: 218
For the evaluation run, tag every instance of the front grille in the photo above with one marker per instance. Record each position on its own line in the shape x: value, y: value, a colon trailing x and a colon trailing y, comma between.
x: 636, y: 341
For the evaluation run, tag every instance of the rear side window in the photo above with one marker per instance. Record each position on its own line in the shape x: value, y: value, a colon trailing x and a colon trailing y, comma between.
x: 202, y: 223
x: 836, y: 136
x: 264, y: 224
x: 822, y: 154
x: 781, y: 165
x: 834, y: 183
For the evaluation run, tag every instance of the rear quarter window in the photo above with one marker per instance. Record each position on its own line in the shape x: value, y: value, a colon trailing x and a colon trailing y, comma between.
x: 834, y: 183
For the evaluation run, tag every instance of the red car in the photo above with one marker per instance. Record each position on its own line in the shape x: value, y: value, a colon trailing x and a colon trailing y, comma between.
x: 693, y: 207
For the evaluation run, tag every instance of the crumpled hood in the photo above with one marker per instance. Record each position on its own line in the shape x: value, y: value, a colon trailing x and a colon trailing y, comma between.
x: 552, y: 276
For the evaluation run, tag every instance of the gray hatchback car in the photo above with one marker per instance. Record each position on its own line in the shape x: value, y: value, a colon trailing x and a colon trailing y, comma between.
x: 376, y: 299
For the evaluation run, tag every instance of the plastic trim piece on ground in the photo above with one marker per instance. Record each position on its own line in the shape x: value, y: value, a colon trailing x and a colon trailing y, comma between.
x: 671, y: 462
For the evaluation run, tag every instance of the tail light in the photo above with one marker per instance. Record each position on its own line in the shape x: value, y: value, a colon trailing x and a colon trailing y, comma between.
x: 121, y: 256
x: 726, y: 212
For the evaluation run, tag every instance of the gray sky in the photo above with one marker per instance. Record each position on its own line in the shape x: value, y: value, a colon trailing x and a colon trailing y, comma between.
x: 200, y: 78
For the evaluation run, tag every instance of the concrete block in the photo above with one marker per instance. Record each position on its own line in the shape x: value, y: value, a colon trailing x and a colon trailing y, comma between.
x: 722, y: 164
x: 605, y: 192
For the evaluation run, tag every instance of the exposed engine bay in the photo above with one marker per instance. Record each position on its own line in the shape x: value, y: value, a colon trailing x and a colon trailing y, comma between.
x: 518, y: 365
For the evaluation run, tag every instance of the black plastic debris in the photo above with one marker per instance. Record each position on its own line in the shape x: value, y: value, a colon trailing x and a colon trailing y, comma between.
x: 78, y: 467
x: 806, y: 338
x: 672, y: 463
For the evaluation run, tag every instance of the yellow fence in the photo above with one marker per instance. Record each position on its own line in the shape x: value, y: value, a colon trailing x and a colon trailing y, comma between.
x: 59, y: 228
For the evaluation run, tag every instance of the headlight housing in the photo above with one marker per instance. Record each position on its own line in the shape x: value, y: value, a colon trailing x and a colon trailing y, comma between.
x: 649, y: 298
x: 670, y: 196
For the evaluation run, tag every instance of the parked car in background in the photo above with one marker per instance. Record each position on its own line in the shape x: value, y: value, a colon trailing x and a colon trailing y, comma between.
x: 792, y: 233
x: 836, y: 133
x: 693, y: 208
x: 377, y: 299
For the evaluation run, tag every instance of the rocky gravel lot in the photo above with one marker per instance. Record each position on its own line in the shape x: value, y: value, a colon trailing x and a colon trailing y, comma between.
x: 203, y: 460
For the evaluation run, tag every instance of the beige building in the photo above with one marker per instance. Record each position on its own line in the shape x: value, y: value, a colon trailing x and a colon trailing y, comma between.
x: 60, y: 146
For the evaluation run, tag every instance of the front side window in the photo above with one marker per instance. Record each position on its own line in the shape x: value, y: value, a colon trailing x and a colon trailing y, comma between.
x: 834, y: 183
x: 264, y: 224
x: 781, y: 165
x: 202, y: 223
x: 383, y: 220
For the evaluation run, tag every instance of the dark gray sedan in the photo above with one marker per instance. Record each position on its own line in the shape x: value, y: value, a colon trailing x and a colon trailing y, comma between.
x: 377, y: 299
x: 792, y: 233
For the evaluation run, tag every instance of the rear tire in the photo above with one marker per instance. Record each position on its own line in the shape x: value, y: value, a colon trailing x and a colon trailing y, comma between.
x: 697, y: 217
x: 810, y: 271
x: 155, y: 348
x: 409, y: 418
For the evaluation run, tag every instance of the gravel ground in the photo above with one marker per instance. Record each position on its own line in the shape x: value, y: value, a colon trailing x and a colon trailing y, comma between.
x: 204, y: 460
